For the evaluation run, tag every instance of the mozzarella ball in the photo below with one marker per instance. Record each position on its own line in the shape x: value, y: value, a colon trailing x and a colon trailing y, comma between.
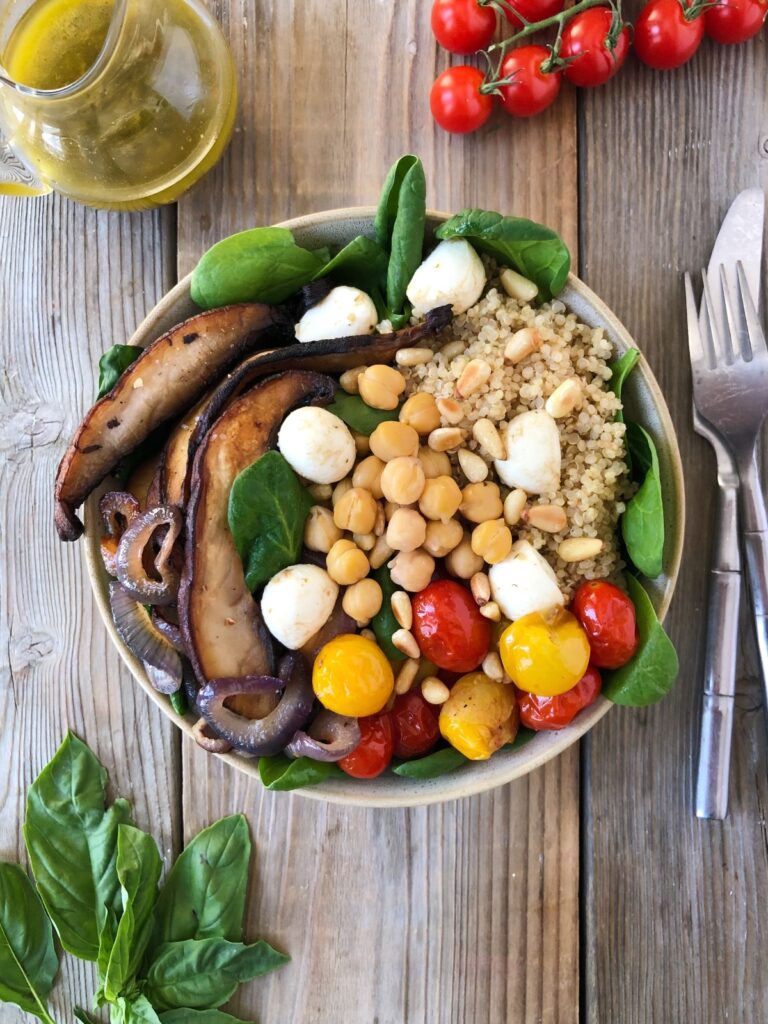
x: 342, y: 313
x: 298, y: 602
x: 524, y: 582
x: 453, y: 274
x: 317, y: 445
x: 533, y: 453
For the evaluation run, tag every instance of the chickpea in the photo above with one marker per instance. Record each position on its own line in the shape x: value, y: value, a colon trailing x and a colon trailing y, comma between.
x: 462, y: 560
x: 412, y: 570
x: 492, y: 540
x: 440, y: 498
x: 380, y: 553
x: 320, y: 531
x: 420, y: 412
x: 362, y: 443
x: 356, y: 511
x: 367, y: 474
x: 380, y: 386
x: 442, y: 538
x: 406, y: 531
x: 346, y: 563
x: 402, y: 480
x: 349, y: 379
x: 434, y: 463
x: 362, y: 601
x: 340, y: 490
x: 392, y: 440
x: 481, y: 501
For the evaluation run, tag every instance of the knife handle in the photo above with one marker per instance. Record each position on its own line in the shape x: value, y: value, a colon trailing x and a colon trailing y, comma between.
x: 755, y: 522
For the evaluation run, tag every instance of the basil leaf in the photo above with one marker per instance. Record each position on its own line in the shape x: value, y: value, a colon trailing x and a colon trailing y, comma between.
x: 432, y: 765
x: 642, y: 523
x: 133, y: 1011
x: 28, y: 960
x: 112, y: 364
x: 384, y: 624
x: 259, y: 265
x: 357, y: 415
x: 406, y: 244
x: 83, y: 1017
x: 138, y: 868
x: 204, y: 973
x: 533, y: 250
x: 267, y: 511
x: 204, y: 893
x: 72, y: 845
x: 620, y: 370
x: 178, y: 701
x: 362, y: 263
x: 282, y: 773
x: 651, y: 673
x: 386, y: 211
x: 187, y: 1016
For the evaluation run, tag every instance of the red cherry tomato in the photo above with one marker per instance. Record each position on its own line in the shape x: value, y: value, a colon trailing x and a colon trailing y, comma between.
x: 374, y: 752
x: 449, y: 628
x: 533, y: 10
x: 462, y: 26
x: 532, y: 90
x: 542, y: 713
x: 608, y: 617
x: 735, y: 21
x: 586, y: 40
x: 414, y: 724
x: 667, y: 35
x: 456, y: 101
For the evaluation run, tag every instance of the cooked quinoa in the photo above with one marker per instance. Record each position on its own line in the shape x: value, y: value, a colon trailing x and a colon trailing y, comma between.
x: 594, y: 484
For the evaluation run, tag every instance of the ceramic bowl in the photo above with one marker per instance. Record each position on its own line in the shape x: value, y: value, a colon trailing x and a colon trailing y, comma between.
x: 645, y: 404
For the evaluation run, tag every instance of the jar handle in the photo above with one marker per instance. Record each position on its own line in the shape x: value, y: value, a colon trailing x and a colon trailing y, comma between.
x: 16, y: 179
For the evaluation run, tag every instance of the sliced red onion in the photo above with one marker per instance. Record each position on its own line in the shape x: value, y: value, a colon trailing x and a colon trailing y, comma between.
x: 147, y: 574
x: 260, y: 736
x: 329, y: 738
x: 170, y: 630
x: 203, y: 738
x: 117, y: 510
x: 338, y: 624
x: 135, y: 627
x: 163, y: 682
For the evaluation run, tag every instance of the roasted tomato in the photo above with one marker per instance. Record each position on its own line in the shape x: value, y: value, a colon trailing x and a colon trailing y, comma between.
x: 545, y: 654
x: 448, y: 626
x: 374, y: 751
x: 608, y: 617
x: 414, y: 724
x: 480, y: 716
x: 541, y: 713
x: 352, y: 676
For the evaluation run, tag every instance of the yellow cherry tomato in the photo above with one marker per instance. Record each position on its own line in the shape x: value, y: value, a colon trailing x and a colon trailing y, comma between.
x: 352, y: 676
x: 545, y: 654
x: 479, y: 716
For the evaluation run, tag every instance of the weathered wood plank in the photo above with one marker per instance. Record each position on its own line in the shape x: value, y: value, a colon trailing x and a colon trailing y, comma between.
x: 71, y: 283
x: 675, y: 928
x: 466, y: 912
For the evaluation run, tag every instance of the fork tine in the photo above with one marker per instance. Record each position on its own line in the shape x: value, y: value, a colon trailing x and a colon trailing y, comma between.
x: 695, y: 346
x: 716, y: 353
x: 732, y: 338
x: 755, y: 335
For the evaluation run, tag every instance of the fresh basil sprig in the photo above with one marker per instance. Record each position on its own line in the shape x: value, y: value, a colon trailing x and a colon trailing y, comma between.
x: 283, y: 773
x: 384, y: 624
x: 28, y: 960
x: 362, y: 418
x: 399, y: 224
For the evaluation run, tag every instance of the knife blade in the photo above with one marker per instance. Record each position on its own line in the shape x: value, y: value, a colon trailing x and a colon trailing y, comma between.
x: 740, y: 238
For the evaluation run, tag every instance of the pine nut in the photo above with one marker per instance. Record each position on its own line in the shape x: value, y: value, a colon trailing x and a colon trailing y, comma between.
x: 579, y: 549
x: 368, y: 634
x: 549, y: 518
x: 434, y: 690
x: 401, y: 609
x: 450, y: 410
x: 473, y: 466
x: 320, y: 492
x: 564, y: 399
x: 413, y: 356
x: 405, y: 642
x: 487, y: 436
x: 517, y: 286
x: 480, y: 586
x: 445, y: 438
x: 491, y: 611
x: 407, y: 675
x: 514, y: 503
x: 362, y: 443
x: 492, y: 666
x: 452, y: 349
x: 348, y: 380
x: 379, y: 554
x: 365, y: 541
x: 473, y: 376
x: 380, y: 526
x: 522, y: 344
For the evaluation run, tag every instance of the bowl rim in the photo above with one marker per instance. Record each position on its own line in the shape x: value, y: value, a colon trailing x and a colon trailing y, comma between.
x: 480, y: 776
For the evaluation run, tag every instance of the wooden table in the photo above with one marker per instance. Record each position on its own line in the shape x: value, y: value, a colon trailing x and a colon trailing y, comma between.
x: 585, y: 891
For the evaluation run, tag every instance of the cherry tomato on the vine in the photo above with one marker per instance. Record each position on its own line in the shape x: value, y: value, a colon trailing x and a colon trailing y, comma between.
x: 374, y: 751
x: 448, y: 626
x: 607, y: 616
x: 415, y: 725
x: 735, y: 21
x: 456, y: 101
x: 542, y: 713
x: 531, y: 89
x: 463, y: 26
x: 586, y: 40
x: 667, y: 34
x: 533, y: 10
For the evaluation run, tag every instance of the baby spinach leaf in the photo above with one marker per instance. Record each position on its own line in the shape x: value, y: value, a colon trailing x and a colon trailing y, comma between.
x: 187, y: 1016
x: 204, y: 973
x: 84, y: 1018
x: 259, y: 265
x: 399, y: 224
x: 357, y: 415
x: 136, y: 1010
x: 651, y: 673
x: 282, y: 773
x: 430, y: 767
x: 111, y: 365
x: 533, y: 250
x: 178, y: 701
x: 386, y: 211
x: 384, y: 623
x: 72, y: 843
x: 267, y: 511
x: 642, y: 524
x: 362, y: 263
x: 204, y: 893
x: 28, y: 960
x: 620, y: 370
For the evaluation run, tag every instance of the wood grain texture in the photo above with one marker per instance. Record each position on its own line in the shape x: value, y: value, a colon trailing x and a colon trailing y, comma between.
x: 466, y: 912
x: 71, y: 283
x: 675, y: 924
